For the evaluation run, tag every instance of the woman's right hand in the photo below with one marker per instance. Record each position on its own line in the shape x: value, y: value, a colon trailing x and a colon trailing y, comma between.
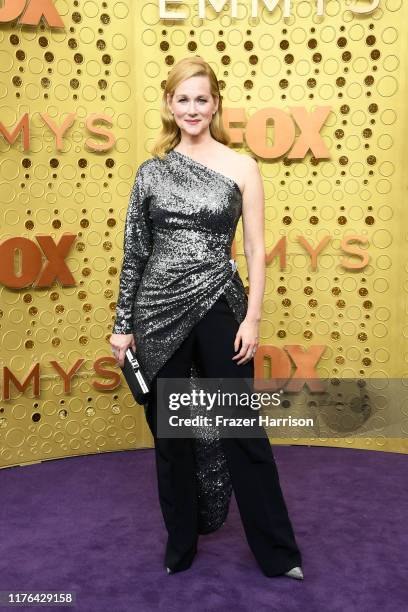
x: 119, y: 344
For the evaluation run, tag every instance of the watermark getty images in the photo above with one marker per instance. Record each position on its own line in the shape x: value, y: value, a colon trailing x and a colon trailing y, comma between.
x: 239, y: 407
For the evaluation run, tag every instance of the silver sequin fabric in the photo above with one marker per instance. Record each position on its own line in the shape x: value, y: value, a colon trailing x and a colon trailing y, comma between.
x: 180, y: 224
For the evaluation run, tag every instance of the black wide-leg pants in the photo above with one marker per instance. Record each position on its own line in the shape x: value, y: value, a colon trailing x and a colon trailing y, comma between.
x: 251, y: 463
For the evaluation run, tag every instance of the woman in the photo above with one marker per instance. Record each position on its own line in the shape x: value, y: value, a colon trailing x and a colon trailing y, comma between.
x: 183, y: 307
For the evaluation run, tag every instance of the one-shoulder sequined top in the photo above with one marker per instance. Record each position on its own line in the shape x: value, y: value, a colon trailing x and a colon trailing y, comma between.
x: 180, y: 224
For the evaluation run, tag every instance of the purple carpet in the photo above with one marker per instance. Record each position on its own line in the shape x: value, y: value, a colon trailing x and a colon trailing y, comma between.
x: 93, y: 525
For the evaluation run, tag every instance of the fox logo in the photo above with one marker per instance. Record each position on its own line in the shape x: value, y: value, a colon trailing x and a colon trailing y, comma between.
x: 30, y: 12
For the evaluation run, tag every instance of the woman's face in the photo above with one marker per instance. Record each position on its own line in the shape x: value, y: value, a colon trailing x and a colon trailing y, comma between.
x: 193, y: 105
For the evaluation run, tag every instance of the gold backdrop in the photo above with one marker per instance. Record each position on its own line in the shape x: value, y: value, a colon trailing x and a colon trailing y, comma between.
x: 66, y: 204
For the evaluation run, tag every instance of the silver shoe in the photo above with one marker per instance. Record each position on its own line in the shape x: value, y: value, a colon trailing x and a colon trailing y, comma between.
x: 295, y: 572
x: 168, y: 570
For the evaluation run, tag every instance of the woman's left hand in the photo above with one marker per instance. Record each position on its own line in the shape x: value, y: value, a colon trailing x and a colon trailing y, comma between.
x: 247, y: 335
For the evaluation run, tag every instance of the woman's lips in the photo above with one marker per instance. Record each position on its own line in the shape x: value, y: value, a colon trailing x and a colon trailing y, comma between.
x: 193, y: 121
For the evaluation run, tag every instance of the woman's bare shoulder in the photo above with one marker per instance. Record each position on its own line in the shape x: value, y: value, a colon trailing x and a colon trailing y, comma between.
x: 236, y: 157
x: 246, y: 163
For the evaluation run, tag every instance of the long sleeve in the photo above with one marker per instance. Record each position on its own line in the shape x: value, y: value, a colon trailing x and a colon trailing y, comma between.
x: 137, y: 247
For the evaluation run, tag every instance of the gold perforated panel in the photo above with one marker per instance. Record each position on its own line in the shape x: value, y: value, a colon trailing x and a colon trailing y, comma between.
x: 112, y: 58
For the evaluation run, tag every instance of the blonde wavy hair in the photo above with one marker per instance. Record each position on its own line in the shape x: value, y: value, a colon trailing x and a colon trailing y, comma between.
x: 170, y: 134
